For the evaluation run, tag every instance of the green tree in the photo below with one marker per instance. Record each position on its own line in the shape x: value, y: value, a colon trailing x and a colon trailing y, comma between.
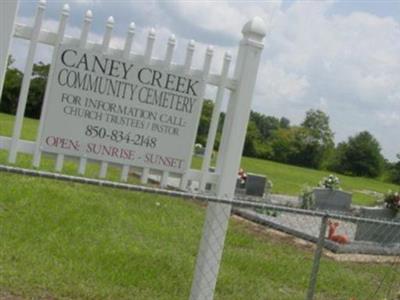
x: 283, y: 144
x: 318, y: 145
x: 359, y: 156
x: 36, y: 90
x: 395, y: 171
x: 294, y: 146
x: 266, y: 124
x: 12, y: 86
x: 253, y: 139
x: 318, y: 123
x: 309, y: 152
x: 284, y: 122
x: 205, y: 120
x: 204, y: 124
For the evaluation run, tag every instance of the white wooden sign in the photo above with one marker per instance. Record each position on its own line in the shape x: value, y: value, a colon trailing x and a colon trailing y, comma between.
x: 111, y: 109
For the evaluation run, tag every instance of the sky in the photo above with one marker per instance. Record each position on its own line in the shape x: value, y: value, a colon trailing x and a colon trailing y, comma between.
x: 342, y: 57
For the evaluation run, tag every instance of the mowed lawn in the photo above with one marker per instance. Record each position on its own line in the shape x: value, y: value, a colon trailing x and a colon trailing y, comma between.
x: 62, y: 240
x: 286, y: 179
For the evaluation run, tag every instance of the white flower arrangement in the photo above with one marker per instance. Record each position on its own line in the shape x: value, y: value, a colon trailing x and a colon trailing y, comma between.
x: 331, y: 182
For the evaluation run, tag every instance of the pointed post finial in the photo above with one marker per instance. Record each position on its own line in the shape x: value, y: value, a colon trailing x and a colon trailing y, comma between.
x: 152, y: 33
x: 191, y: 45
x: 88, y: 15
x: 210, y: 50
x: 132, y: 27
x: 42, y: 4
x: 228, y: 56
x: 110, y: 21
x: 172, y: 39
x: 66, y: 9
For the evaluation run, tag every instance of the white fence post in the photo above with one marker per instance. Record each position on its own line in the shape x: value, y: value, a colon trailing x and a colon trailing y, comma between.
x: 217, y: 217
x: 8, y: 15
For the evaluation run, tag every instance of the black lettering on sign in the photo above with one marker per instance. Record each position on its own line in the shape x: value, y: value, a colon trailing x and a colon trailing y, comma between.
x: 96, y: 64
x: 167, y: 81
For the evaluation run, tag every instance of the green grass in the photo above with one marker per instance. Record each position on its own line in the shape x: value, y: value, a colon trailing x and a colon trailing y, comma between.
x: 74, y: 241
x: 286, y: 179
x: 29, y: 128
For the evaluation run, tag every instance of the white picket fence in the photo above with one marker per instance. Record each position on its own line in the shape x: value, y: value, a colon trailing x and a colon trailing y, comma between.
x: 241, y: 88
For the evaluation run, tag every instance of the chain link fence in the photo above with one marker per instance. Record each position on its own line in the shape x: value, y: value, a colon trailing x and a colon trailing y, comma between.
x: 334, y: 256
x: 270, y: 251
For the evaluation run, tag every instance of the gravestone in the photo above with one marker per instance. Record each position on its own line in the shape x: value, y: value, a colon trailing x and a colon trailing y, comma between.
x: 334, y: 200
x: 376, y: 232
x: 199, y: 150
x: 254, y: 185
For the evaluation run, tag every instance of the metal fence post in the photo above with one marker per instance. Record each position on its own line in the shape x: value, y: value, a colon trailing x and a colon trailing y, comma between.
x: 317, y: 258
x: 217, y: 216
x: 8, y: 15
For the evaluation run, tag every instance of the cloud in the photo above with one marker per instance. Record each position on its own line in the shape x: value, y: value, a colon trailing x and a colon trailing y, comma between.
x: 351, y: 62
x: 388, y: 118
x: 216, y: 22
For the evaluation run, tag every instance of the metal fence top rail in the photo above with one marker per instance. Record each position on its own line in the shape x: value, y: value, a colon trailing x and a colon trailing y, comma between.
x: 187, y: 195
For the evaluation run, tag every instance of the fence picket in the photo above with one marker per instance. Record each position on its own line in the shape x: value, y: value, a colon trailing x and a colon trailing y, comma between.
x: 87, y: 22
x: 167, y: 64
x: 125, y: 54
x: 82, y: 44
x: 186, y: 67
x: 145, y: 176
x: 59, y: 163
x: 212, y: 131
x: 105, y: 47
x: 129, y: 40
x: 205, y: 72
x: 150, y: 45
x: 8, y: 15
x: 23, y: 95
x: 147, y: 59
x: 164, y: 179
x: 170, y: 51
x: 107, y: 34
x: 60, y: 36
x: 189, y: 56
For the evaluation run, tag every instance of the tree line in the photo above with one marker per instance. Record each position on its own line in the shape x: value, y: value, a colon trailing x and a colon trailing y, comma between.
x: 310, y: 144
